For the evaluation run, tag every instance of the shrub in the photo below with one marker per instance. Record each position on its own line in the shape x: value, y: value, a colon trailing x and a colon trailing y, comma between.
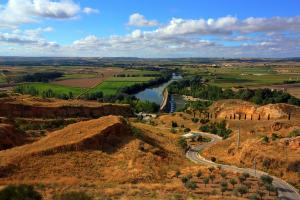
x: 266, y: 179
x: 185, y: 179
x: 204, y: 121
x: 265, y: 139
x: 261, y: 193
x: 190, y: 185
x: 242, y: 178
x: 20, y: 192
x: 177, y: 173
x: 224, y: 187
x: 233, y: 182
x: 217, y: 128
x: 246, y: 175
x: 275, y: 136
x: 243, y: 189
x: 73, y: 196
x: 174, y: 124
x: 294, y: 133
x: 199, y: 174
x: 212, y: 178
x: 186, y: 130
x: 254, y: 197
x: 294, y: 166
x: 213, y: 159
x: 223, y: 174
x: 270, y: 188
x: 211, y: 169
x: 195, y: 120
x: 173, y: 130
x: 206, y: 181
x: 182, y: 143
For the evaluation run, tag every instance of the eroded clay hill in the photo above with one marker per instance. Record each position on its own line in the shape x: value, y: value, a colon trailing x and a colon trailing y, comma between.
x: 227, y: 108
x: 103, y: 134
x: 9, y: 137
x: 29, y: 107
x: 99, y: 154
x: 267, y: 141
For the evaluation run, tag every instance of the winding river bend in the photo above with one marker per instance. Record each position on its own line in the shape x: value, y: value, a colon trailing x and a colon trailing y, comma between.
x: 155, y: 94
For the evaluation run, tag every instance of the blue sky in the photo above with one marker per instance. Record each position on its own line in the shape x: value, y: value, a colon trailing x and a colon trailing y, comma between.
x: 156, y: 28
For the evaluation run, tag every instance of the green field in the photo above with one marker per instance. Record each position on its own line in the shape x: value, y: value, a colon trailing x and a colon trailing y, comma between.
x: 111, y: 87
x: 129, y: 79
x: 2, y: 79
x: 76, y: 76
x: 108, y: 87
x: 242, y: 76
x: 114, y: 84
x: 56, y: 88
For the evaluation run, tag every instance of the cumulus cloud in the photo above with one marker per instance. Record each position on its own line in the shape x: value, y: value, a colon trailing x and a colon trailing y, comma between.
x: 30, y: 38
x: 137, y: 19
x: 17, y: 12
x: 229, y: 25
x: 226, y: 36
x: 88, y: 10
x: 229, y: 36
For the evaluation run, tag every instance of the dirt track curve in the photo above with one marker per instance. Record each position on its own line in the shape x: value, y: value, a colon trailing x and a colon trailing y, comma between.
x: 285, y: 190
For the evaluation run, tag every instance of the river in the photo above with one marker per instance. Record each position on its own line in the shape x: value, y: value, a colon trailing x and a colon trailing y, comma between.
x: 155, y: 94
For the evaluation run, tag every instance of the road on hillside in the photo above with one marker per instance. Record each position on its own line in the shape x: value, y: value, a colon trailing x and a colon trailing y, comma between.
x: 285, y: 190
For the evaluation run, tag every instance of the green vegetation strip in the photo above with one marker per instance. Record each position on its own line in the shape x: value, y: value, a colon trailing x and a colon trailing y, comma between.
x: 39, y: 88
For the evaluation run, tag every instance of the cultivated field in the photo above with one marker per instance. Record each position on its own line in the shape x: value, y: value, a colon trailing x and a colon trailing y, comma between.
x: 87, y: 79
x: 114, y: 84
x: 59, y: 89
x: 244, y: 76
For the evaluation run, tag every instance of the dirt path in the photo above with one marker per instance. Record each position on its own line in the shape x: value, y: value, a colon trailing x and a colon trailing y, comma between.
x: 285, y: 190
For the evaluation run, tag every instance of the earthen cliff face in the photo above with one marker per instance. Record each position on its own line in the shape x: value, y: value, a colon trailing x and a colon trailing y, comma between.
x: 9, y: 137
x: 228, y: 108
x: 13, y: 109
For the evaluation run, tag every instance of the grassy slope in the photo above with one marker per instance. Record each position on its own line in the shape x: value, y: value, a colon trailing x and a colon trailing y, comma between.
x: 56, y: 88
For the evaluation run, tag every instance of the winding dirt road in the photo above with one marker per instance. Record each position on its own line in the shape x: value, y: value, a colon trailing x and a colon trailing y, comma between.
x: 285, y: 190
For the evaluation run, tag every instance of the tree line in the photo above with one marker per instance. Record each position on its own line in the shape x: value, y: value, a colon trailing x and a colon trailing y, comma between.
x: 143, y: 85
x: 40, y: 77
x: 195, y: 87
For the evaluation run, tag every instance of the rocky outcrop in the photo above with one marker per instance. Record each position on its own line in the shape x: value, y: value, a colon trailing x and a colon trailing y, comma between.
x: 246, y: 110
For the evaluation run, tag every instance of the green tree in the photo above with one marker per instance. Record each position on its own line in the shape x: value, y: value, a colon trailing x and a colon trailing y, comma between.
x: 206, y: 181
x: 199, y: 174
x: 266, y: 179
x: 224, y: 186
x: 243, y: 189
x: 182, y: 143
x: 212, y: 178
x: 223, y: 174
x: 233, y: 182
x: 20, y: 192
x: 190, y: 185
x: 270, y: 188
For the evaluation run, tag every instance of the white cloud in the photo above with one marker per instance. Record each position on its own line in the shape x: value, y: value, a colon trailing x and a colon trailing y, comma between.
x: 17, y: 12
x: 88, y: 10
x: 221, y: 37
x: 228, y: 25
x: 137, y: 19
x: 30, y: 38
